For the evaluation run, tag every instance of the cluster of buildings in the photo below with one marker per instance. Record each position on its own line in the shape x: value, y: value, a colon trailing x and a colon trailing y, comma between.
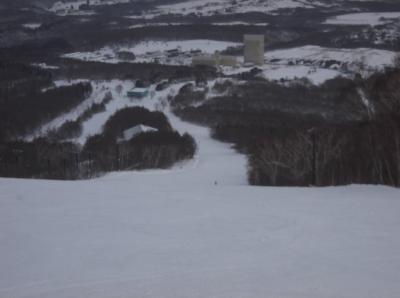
x: 253, y: 54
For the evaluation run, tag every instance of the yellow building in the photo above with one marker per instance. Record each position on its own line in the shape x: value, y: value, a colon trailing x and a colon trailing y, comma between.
x: 215, y: 60
x: 254, y: 49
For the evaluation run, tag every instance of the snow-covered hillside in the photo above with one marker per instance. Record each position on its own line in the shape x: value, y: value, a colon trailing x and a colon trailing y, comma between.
x: 74, y: 7
x: 177, y: 234
x: 373, y: 59
x: 366, y: 18
x: 221, y: 7
x: 196, y: 230
x: 150, y: 50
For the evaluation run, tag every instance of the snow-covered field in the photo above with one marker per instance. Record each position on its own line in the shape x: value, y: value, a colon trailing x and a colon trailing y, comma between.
x: 207, y: 46
x: 372, y: 58
x: 277, y: 72
x: 221, y: 7
x: 365, y: 18
x: 314, y: 62
x: 73, y: 7
x: 319, y: 64
x: 196, y: 230
x: 289, y: 72
x: 148, y: 51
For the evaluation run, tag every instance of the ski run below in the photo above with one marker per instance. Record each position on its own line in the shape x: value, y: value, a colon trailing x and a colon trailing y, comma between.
x: 196, y: 230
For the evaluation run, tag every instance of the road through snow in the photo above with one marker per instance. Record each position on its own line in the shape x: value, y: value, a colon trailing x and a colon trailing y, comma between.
x: 174, y: 233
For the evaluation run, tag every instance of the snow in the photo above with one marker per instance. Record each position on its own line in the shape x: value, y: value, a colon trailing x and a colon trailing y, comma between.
x: 365, y: 18
x: 221, y: 7
x: 366, y: 102
x: 45, y: 66
x: 99, y: 91
x: 32, y: 26
x: 208, y: 46
x: 316, y: 75
x: 130, y: 133
x: 373, y: 58
x: 173, y: 233
x: 228, y: 7
x: 308, y: 62
x: 73, y: 7
x: 140, y: 90
x: 94, y: 125
x: 143, y: 51
x: 196, y: 230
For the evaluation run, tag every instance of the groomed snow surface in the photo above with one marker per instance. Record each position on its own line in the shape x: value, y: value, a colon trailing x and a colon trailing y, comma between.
x: 196, y: 230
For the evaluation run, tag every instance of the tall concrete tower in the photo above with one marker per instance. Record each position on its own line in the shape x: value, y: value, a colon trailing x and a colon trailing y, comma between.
x: 254, y: 49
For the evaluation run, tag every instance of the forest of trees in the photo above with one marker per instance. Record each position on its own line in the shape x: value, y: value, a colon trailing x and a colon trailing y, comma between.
x: 22, y: 114
x: 151, y: 72
x: 28, y: 100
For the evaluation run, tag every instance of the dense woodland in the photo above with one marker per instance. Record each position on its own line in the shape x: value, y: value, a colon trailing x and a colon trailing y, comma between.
x: 151, y: 72
x: 28, y: 99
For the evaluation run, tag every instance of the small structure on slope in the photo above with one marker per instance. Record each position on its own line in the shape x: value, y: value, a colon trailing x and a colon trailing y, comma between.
x: 215, y: 60
x: 132, y: 132
x: 138, y: 92
x: 204, y: 59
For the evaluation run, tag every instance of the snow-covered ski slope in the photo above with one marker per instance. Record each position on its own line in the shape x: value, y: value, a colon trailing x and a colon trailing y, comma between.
x: 196, y: 230
x: 175, y: 234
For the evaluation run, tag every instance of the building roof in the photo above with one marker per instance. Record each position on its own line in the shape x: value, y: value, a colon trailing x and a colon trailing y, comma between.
x: 132, y: 132
x: 254, y: 37
x: 139, y: 90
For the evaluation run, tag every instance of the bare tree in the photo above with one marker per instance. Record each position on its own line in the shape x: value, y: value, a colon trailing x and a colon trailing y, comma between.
x: 288, y: 156
x: 396, y: 61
